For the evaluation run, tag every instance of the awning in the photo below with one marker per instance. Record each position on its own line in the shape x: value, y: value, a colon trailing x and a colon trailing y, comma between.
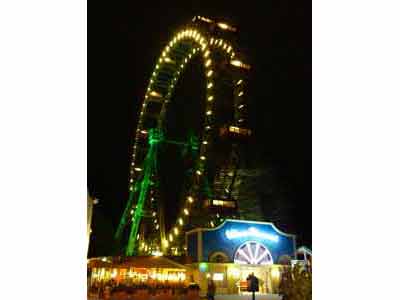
x: 148, y: 262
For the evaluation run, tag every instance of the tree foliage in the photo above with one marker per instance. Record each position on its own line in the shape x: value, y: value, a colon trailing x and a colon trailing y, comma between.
x: 296, y: 283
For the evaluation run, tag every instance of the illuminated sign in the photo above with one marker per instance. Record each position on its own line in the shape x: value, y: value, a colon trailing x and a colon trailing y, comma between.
x: 250, y: 232
x: 218, y: 276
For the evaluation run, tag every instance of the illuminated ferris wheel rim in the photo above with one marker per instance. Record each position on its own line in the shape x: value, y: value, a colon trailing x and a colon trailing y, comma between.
x: 253, y: 253
x: 161, y: 87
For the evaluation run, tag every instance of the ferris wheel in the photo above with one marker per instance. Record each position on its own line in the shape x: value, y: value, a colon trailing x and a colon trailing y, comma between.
x: 209, y: 154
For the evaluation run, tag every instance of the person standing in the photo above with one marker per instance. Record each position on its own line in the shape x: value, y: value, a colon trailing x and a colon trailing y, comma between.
x: 252, y: 285
x: 211, y: 289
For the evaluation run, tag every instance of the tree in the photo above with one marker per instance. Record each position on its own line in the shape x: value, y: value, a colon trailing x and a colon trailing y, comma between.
x: 296, y: 283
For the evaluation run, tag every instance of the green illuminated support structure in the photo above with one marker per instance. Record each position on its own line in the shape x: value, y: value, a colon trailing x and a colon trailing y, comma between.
x: 206, y: 194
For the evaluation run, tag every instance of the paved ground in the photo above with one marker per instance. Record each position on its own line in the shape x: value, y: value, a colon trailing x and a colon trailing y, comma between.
x: 233, y: 297
x: 247, y: 297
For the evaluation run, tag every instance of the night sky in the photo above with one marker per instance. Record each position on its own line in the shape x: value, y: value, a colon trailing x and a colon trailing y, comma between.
x: 125, y: 39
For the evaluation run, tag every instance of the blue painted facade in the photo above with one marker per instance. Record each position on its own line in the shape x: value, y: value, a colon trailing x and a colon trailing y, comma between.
x: 231, y: 234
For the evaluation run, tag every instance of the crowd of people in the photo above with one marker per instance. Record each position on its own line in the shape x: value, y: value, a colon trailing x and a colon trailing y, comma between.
x: 114, y: 291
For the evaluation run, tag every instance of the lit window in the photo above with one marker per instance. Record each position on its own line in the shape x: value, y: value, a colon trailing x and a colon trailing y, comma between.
x: 238, y: 63
x: 218, y: 276
x: 224, y: 203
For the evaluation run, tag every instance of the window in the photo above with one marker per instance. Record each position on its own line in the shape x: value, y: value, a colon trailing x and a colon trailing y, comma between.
x: 224, y: 203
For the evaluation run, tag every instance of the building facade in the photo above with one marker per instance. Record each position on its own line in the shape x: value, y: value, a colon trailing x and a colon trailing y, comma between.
x: 236, y: 248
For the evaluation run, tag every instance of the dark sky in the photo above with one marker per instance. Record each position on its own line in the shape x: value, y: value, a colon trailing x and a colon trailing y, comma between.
x: 124, y: 41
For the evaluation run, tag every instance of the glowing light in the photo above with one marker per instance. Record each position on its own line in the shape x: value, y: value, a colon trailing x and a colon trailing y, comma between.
x: 250, y: 232
x: 203, y: 267
x: 171, y: 238
x: 208, y: 62
x: 205, y: 142
x: 176, y: 231
x: 202, y: 157
x: 212, y: 224
x: 186, y: 212
x: 206, y: 20
x: 157, y: 226
x: 190, y: 199
x: 209, y: 85
x: 168, y: 60
x: 218, y: 276
x: 155, y: 94
x: 240, y: 106
x: 198, y: 172
x: 275, y: 273
x: 157, y: 253
x: 209, y: 112
x: 210, y: 98
x: 225, y: 26
x: 239, y: 82
x: 240, y: 94
x: 138, y: 169
x: 239, y: 64
x: 209, y: 73
x: 154, y: 214
x: 166, y: 244
x: 132, y: 211
x: 206, y: 53
x: 180, y: 221
x: 234, y: 272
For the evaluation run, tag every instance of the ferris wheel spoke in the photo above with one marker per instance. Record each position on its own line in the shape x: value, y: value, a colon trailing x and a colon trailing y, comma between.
x: 245, y: 256
x: 259, y: 259
x: 257, y: 249
x: 249, y: 250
